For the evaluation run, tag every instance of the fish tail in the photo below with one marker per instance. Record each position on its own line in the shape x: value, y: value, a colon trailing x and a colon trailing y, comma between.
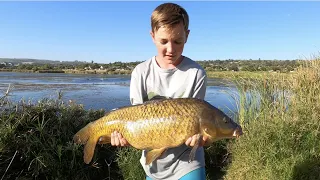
x: 89, y: 139
x: 89, y: 150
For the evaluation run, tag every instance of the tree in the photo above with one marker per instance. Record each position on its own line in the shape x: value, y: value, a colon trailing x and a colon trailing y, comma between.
x: 234, y: 67
x: 95, y: 66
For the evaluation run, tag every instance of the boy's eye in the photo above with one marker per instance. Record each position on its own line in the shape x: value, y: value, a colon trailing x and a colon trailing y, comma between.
x: 163, y: 41
x: 166, y: 41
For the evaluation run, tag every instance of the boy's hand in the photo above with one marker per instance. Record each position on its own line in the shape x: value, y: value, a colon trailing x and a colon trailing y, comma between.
x: 192, y: 140
x: 118, y: 140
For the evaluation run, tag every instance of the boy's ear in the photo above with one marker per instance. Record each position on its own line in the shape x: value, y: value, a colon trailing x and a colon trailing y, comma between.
x: 152, y: 36
x: 187, y: 35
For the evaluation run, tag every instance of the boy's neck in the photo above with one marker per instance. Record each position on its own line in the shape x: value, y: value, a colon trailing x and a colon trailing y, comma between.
x: 165, y: 65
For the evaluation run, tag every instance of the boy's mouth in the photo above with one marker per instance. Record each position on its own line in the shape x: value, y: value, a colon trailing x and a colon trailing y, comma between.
x: 170, y: 56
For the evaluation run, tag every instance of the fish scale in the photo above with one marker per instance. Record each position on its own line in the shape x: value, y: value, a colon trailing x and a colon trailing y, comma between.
x: 158, y: 125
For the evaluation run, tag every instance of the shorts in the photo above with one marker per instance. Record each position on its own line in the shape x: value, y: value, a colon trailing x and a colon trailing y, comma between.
x: 197, y: 174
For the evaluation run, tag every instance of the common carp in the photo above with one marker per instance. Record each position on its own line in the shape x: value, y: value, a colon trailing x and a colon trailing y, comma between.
x: 159, y: 124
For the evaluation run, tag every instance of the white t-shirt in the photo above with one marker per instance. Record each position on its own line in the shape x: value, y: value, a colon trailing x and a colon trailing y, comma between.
x: 188, y: 79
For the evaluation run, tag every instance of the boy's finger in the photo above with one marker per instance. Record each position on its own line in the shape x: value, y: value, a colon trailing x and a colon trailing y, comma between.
x: 119, y: 135
x: 116, y: 140
x: 120, y: 139
x: 204, y: 140
x: 112, y: 139
x: 193, y: 141
x: 123, y: 142
x: 188, y: 141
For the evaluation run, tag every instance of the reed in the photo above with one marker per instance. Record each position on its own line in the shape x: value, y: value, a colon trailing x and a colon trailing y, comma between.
x: 280, y: 117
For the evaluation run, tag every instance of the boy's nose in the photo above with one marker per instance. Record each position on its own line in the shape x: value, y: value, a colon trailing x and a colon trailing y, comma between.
x: 170, y: 48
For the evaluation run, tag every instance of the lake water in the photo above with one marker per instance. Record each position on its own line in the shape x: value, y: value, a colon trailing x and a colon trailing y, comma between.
x: 97, y: 91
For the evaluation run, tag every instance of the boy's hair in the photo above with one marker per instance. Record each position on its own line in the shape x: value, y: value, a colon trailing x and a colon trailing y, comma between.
x: 169, y: 14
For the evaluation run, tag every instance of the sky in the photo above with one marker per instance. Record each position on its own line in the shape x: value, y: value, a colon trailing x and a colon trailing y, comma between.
x: 110, y: 31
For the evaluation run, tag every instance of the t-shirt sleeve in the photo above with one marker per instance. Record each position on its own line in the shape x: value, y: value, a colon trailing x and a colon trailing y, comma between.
x: 136, y: 88
x: 201, y: 85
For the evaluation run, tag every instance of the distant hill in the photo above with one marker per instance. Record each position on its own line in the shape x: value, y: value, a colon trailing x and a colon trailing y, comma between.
x: 209, y: 65
x: 38, y: 61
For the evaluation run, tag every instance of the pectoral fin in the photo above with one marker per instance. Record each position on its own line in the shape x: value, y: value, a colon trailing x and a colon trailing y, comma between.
x: 195, y: 147
x: 154, y: 154
x: 89, y: 150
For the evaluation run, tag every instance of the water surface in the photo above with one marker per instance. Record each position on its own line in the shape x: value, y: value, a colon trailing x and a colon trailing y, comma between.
x: 96, y: 91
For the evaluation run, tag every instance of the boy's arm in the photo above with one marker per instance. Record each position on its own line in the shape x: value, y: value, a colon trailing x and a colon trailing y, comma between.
x: 136, y: 87
x: 201, y: 85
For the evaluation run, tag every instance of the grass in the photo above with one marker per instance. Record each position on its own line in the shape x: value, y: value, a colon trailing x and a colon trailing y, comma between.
x: 240, y: 75
x: 279, y: 114
x: 281, y: 139
x: 36, y: 143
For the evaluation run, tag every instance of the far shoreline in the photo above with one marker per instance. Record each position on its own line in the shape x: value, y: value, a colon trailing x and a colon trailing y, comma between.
x: 231, y: 75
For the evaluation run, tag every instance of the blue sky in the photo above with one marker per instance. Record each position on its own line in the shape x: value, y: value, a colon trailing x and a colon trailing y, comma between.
x: 106, y: 31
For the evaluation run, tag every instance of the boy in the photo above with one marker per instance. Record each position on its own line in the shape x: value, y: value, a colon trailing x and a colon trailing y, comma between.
x: 169, y: 74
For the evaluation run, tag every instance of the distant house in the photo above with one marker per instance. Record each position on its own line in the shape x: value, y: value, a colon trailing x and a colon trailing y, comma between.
x: 27, y: 62
x: 6, y: 64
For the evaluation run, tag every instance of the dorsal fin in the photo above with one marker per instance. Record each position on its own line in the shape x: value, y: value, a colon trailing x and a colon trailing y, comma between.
x: 156, y: 98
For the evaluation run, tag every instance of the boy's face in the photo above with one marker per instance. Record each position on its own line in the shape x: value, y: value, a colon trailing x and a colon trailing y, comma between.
x: 170, y: 43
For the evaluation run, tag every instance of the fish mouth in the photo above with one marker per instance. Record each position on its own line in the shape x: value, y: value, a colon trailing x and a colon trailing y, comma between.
x: 238, y: 132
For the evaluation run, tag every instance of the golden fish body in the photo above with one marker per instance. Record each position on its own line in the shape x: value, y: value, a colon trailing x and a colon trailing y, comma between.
x: 158, y: 125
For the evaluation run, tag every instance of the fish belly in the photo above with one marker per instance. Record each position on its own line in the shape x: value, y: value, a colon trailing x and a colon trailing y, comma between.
x: 160, y: 132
